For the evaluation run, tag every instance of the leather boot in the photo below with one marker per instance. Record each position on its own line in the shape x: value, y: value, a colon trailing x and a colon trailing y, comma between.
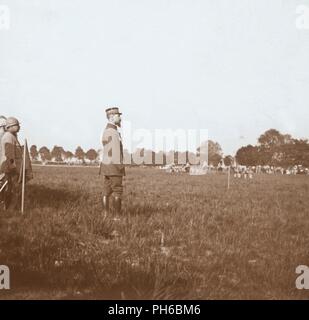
x: 117, y: 205
x: 105, y: 203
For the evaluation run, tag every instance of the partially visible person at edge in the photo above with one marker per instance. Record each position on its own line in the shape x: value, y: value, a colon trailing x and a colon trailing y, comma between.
x: 2, y: 175
x: 2, y: 130
x: 11, y: 162
x: 112, y: 166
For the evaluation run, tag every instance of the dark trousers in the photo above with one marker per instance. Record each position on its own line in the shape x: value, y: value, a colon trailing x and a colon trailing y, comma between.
x: 113, y: 186
x: 12, y: 196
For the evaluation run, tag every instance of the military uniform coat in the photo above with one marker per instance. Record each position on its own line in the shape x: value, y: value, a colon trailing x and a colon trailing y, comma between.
x: 112, y: 162
x: 11, y: 154
x: 1, y: 135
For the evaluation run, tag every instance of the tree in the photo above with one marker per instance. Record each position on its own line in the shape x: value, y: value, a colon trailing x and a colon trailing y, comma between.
x: 271, y: 138
x: 79, y: 153
x: 275, y: 149
x: 149, y: 158
x: 282, y: 149
x: 248, y: 156
x: 170, y: 157
x: 301, y: 152
x: 287, y: 138
x: 295, y: 153
x: 45, y: 154
x: 68, y: 155
x: 138, y: 156
x: 160, y: 158
x: 228, y: 160
x: 57, y: 153
x: 213, y: 149
x: 34, y: 152
x: 182, y: 157
x: 91, y: 155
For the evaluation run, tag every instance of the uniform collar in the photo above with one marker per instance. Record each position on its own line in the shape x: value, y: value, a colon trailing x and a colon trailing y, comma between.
x: 10, y: 133
x: 111, y: 126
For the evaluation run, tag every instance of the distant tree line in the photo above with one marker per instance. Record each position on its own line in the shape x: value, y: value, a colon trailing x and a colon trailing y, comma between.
x: 58, y: 154
x: 275, y: 149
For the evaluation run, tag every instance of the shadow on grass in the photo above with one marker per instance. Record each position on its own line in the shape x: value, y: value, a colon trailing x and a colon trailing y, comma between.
x: 39, y: 196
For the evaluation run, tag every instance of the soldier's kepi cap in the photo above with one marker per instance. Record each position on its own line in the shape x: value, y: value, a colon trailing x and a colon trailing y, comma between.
x: 114, y: 110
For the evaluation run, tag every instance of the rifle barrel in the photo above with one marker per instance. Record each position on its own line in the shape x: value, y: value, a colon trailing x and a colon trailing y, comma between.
x: 23, y: 179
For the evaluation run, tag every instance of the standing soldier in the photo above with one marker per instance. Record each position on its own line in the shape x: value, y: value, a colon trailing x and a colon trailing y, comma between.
x: 2, y: 175
x: 112, y: 166
x: 11, y: 162
x: 2, y: 129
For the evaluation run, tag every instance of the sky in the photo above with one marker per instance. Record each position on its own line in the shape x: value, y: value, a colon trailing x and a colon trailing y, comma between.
x: 235, y: 68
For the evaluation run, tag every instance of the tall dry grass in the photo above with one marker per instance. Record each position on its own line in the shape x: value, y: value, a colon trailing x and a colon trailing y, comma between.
x: 180, y: 237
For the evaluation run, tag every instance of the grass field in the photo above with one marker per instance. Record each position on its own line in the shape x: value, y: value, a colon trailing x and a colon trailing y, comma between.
x: 180, y: 237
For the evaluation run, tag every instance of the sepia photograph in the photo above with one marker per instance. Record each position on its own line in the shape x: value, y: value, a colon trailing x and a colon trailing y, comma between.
x: 154, y: 150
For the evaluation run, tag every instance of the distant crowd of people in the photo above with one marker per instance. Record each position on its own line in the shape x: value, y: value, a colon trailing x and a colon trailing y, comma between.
x: 249, y: 170
x: 239, y: 171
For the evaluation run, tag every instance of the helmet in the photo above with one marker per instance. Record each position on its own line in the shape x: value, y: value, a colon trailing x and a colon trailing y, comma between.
x: 10, y: 122
x: 2, y: 121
